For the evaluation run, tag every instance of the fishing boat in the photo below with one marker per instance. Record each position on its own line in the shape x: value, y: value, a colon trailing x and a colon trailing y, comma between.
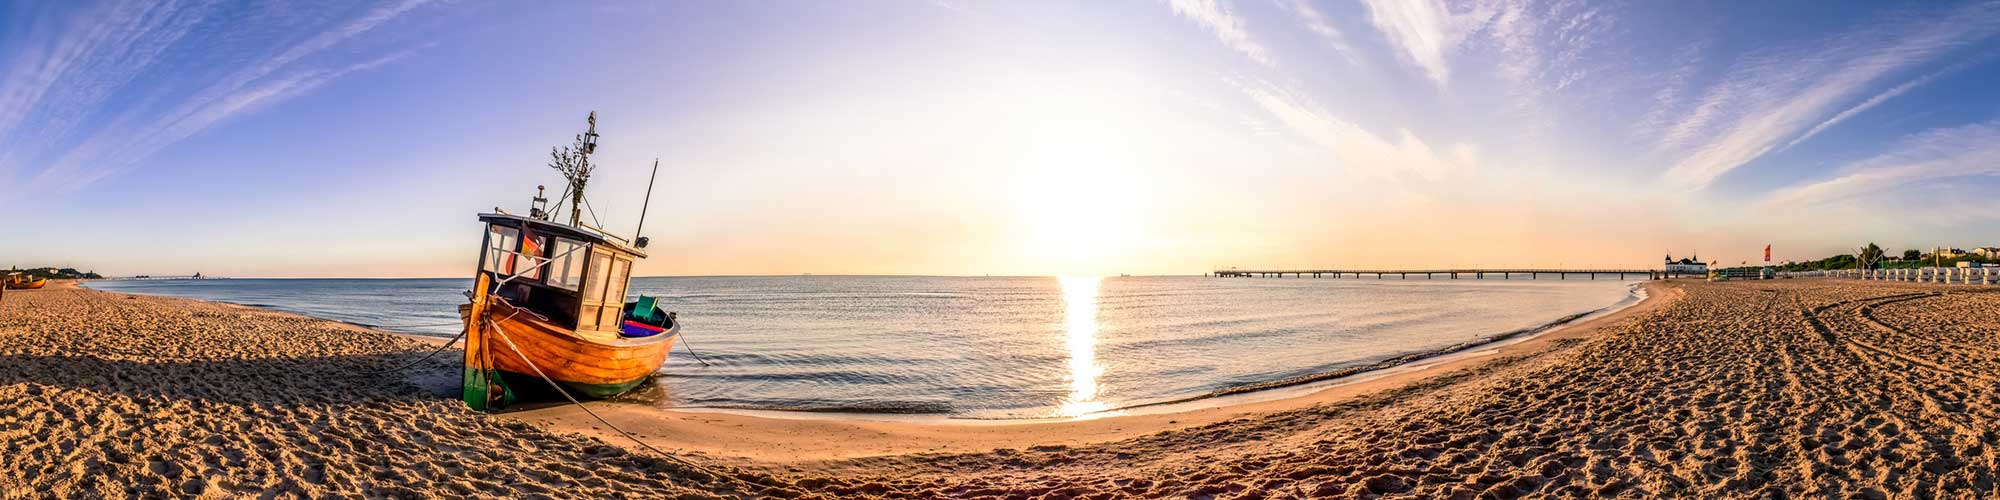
x: 21, y: 282
x: 548, y: 309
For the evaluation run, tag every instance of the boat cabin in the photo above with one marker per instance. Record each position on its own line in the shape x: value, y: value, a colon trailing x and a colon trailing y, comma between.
x: 582, y: 285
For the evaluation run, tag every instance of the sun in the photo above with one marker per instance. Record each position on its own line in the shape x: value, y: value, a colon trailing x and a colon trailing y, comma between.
x: 1078, y: 211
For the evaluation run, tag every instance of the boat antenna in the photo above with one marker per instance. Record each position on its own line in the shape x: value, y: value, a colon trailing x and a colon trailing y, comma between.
x: 538, y: 208
x: 649, y: 199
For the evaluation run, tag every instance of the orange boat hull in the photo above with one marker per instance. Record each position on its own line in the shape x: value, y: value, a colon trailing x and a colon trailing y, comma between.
x: 27, y: 284
x: 594, y: 366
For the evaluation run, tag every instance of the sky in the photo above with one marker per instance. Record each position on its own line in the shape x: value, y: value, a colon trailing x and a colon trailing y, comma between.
x: 951, y: 137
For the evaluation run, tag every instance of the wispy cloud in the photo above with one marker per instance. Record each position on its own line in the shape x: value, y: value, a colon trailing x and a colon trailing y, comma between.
x: 1777, y: 96
x: 1318, y: 23
x: 132, y: 41
x: 1543, y: 44
x: 110, y: 155
x: 1425, y: 31
x: 1878, y: 99
x: 1360, y: 151
x: 65, y: 69
x: 1675, y: 83
x: 1229, y: 28
x: 1971, y: 150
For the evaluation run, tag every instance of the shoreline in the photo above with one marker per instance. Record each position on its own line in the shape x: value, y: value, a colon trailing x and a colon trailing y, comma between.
x: 789, y: 438
x: 807, y: 441
x: 427, y: 339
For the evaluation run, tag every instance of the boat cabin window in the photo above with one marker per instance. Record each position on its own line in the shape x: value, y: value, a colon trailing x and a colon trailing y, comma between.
x: 614, y: 290
x: 593, y: 291
x: 603, y: 291
x: 566, y: 271
x: 599, y: 263
x: 499, y: 241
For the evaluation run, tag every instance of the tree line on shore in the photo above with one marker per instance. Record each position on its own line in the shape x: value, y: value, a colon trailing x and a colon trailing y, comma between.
x: 1878, y: 259
x: 63, y: 273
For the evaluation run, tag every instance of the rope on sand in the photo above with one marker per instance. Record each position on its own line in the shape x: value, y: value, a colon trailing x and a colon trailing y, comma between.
x: 447, y: 345
x: 593, y: 414
x: 433, y: 325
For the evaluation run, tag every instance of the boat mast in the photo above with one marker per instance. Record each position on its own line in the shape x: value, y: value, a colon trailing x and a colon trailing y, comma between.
x: 588, y: 145
x: 574, y: 163
x: 649, y: 200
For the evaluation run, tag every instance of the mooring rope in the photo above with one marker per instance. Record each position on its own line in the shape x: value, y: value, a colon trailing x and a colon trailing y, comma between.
x: 586, y: 409
x: 431, y: 325
x: 690, y: 347
x: 447, y: 345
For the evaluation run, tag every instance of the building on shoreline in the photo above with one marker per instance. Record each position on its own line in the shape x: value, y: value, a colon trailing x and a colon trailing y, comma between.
x: 1692, y: 265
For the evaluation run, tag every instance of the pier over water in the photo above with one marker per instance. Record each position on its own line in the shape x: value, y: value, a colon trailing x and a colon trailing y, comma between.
x: 1524, y: 273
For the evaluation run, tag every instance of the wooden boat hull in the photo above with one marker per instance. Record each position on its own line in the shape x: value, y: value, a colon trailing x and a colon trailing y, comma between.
x: 27, y: 284
x: 585, y: 367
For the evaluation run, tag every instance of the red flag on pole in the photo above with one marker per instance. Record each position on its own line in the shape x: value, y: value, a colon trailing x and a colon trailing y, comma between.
x: 1767, y: 252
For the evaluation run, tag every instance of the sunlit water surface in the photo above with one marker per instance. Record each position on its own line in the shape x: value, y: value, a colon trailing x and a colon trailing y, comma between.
x: 976, y: 347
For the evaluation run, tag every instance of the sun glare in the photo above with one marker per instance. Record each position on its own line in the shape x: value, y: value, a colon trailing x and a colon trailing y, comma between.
x: 1079, y: 210
x: 1080, y: 326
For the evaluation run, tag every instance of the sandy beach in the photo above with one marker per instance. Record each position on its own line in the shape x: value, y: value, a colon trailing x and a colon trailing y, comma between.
x: 108, y: 395
x: 1749, y: 389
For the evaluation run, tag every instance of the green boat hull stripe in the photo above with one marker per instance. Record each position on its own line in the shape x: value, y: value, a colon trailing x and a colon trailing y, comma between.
x: 580, y: 389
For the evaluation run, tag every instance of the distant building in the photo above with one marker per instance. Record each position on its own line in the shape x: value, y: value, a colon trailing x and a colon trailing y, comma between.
x: 1987, y: 252
x: 1950, y: 253
x: 1686, y: 266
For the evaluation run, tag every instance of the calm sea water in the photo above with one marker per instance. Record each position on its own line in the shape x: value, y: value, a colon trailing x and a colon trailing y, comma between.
x: 987, y: 347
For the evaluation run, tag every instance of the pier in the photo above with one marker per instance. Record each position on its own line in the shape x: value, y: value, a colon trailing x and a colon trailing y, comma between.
x: 148, y: 277
x: 1561, y: 274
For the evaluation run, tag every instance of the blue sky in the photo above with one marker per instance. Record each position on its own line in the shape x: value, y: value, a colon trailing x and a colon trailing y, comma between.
x: 954, y: 137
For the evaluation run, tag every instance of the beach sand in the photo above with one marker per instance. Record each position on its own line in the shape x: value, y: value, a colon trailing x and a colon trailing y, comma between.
x: 107, y: 395
x: 1752, y: 389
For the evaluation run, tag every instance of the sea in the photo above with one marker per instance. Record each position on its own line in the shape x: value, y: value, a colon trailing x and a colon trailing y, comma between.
x: 991, y: 347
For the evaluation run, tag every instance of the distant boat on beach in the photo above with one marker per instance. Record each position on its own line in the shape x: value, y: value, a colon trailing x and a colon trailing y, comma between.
x: 548, y: 306
x: 20, y: 282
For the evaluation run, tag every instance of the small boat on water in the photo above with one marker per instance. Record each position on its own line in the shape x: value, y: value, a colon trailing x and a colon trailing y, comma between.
x: 21, y: 282
x: 548, y: 305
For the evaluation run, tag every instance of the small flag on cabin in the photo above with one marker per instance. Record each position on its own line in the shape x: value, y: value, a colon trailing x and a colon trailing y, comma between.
x: 531, y: 244
x: 1767, y: 252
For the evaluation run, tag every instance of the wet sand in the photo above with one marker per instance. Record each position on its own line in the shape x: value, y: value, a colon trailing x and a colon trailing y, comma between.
x: 1757, y: 389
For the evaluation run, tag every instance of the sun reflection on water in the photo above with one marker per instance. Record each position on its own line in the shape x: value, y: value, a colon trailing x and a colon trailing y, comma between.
x: 1080, y: 322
